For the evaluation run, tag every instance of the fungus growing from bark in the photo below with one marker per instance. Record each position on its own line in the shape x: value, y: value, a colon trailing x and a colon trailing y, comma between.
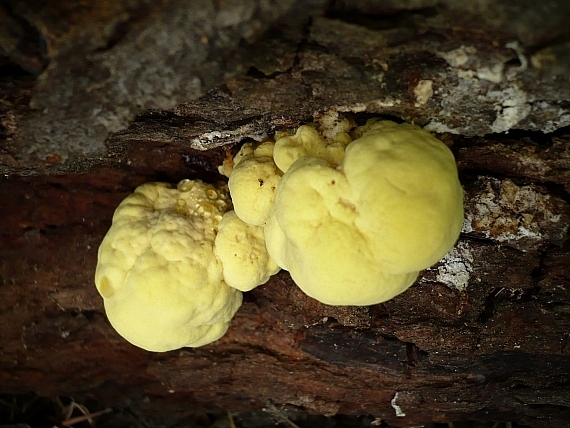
x: 158, y: 271
x: 357, y: 215
x: 353, y: 218
x: 242, y: 251
x: 360, y: 232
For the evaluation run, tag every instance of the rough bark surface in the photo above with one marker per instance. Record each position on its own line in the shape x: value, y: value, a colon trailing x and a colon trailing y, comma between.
x: 481, y: 335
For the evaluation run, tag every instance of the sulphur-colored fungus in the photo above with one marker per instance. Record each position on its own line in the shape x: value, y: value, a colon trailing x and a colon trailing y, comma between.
x: 157, y: 272
x: 354, y: 221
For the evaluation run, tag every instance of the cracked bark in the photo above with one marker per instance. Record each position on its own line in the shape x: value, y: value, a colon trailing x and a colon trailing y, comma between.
x: 481, y: 335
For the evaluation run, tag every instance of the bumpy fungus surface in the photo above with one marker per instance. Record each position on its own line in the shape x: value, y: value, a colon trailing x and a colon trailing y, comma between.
x: 253, y: 182
x: 241, y: 249
x: 307, y: 142
x: 160, y: 279
x: 354, y: 221
x: 353, y: 217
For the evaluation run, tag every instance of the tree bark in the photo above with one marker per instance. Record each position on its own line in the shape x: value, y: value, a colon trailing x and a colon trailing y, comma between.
x: 482, y: 335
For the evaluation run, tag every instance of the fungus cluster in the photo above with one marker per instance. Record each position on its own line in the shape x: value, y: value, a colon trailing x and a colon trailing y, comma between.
x: 353, y: 214
x: 163, y: 280
x: 355, y: 218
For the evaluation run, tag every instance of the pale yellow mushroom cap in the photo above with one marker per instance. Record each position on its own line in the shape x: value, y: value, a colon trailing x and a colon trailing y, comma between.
x: 257, y: 168
x: 241, y: 249
x: 161, y: 282
x: 308, y: 142
x: 253, y: 182
x: 358, y: 234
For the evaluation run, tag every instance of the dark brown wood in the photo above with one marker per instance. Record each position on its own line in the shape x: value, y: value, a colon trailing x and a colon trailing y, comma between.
x: 481, y: 335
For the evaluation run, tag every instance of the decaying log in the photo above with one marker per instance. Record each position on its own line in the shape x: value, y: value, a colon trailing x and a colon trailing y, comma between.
x: 482, y: 335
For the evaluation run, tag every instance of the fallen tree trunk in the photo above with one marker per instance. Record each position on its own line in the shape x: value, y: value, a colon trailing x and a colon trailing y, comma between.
x: 481, y: 335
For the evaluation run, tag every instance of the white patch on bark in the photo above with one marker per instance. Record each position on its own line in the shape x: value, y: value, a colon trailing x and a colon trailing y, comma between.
x: 458, y: 57
x: 512, y: 107
x: 397, y: 409
x: 456, y: 267
x: 507, y: 213
x: 423, y: 92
